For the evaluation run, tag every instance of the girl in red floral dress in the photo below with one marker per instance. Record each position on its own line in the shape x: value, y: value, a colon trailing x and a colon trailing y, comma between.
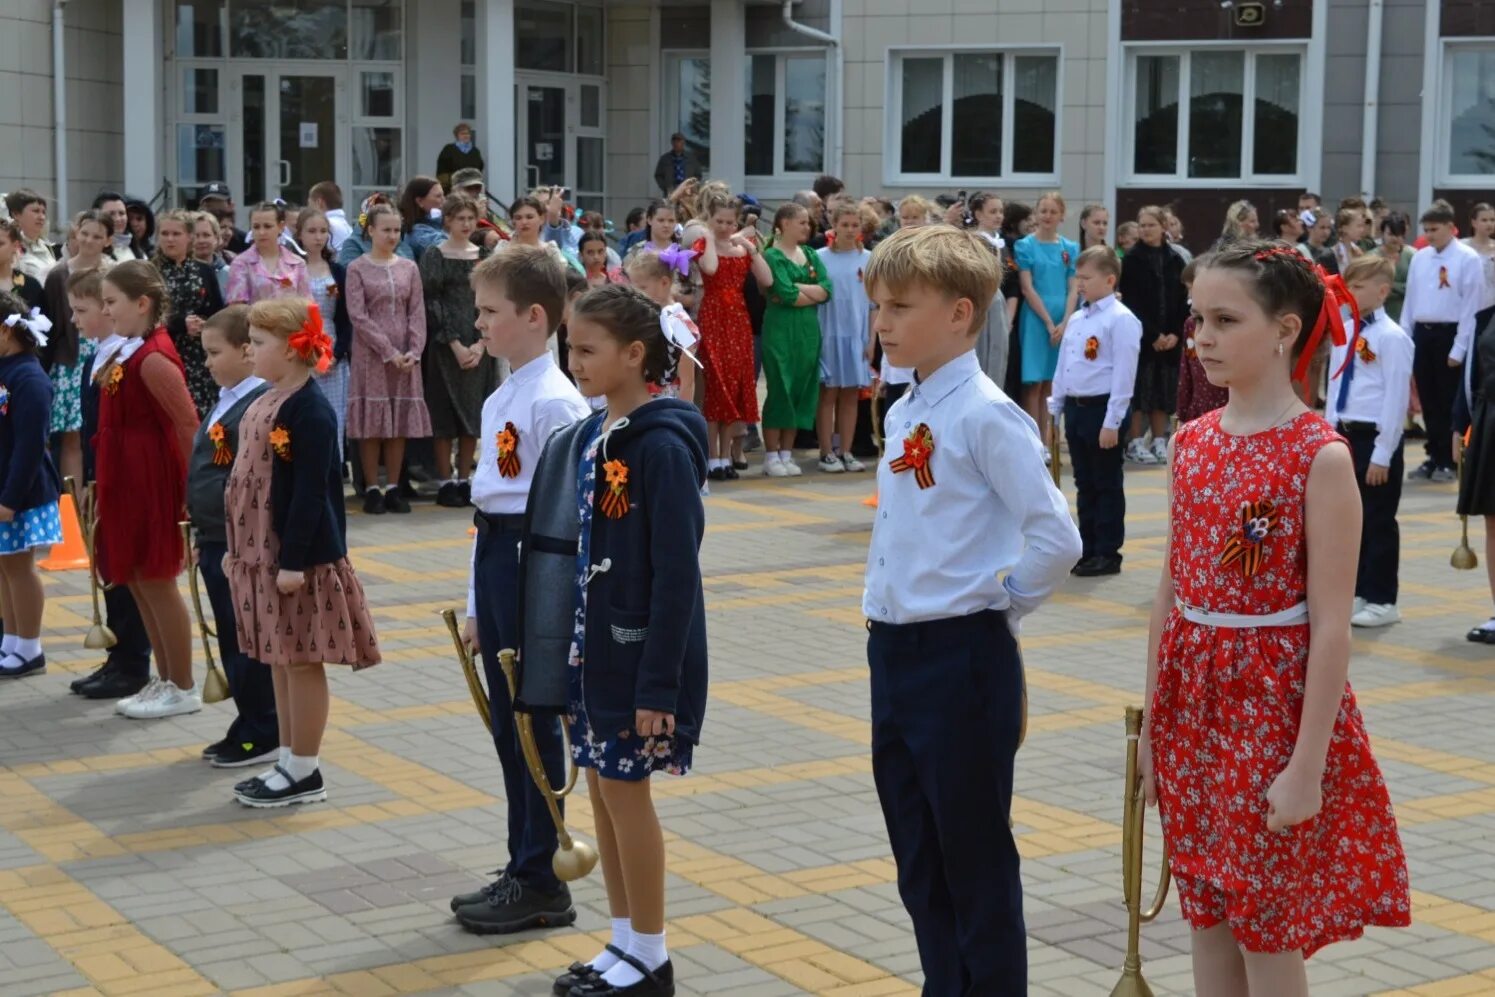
x: 1277, y: 822
x: 726, y: 330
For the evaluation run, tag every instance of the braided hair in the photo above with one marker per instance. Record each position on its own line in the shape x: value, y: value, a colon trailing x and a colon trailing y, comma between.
x: 1281, y: 279
x: 630, y: 317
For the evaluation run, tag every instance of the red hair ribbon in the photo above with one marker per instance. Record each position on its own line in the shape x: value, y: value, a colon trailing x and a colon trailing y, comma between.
x: 1336, y: 296
x: 311, y: 341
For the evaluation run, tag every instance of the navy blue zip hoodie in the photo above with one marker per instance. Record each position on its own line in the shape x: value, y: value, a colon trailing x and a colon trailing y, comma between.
x: 28, y: 477
x: 646, y: 614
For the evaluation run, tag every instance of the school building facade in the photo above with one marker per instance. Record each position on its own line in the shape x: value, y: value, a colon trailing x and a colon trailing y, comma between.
x: 1125, y: 102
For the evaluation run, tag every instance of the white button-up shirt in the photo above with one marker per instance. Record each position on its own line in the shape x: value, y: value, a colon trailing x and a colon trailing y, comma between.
x: 1445, y: 286
x: 1106, y: 367
x: 538, y: 399
x: 1380, y: 386
x: 227, y: 397
x: 941, y: 552
x: 338, y: 228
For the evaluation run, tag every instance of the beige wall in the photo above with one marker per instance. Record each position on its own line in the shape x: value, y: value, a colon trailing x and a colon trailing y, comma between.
x: 631, y: 80
x: 94, y: 155
x: 872, y: 27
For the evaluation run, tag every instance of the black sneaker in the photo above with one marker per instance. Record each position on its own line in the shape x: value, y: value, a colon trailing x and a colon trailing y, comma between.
x: 1423, y: 472
x: 512, y: 906
x: 373, y: 502
x: 449, y: 495
x: 211, y: 751
x: 309, y: 790
x: 238, y: 754
x: 115, y: 685
x: 107, y: 668
x: 464, y: 899
x: 35, y: 666
x: 395, y: 501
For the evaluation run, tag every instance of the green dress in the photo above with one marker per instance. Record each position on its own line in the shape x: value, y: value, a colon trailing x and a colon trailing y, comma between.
x: 791, y: 342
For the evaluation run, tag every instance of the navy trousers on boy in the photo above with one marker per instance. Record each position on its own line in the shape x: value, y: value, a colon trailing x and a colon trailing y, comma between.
x: 946, y: 710
x: 1099, y: 495
x: 1437, y: 384
x: 131, y: 653
x: 249, y: 681
x: 532, y: 834
x: 1380, y: 540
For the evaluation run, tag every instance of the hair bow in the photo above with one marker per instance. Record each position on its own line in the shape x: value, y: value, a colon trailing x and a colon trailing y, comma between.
x: 1308, y: 218
x: 311, y: 341
x: 1337, y: 296
x: 679, y: 257
x: 36, y: 323
x: 681, y: 331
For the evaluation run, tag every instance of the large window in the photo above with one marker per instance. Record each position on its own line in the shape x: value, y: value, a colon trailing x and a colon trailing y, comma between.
x: 1240, y: 117
x: 973, y: 115
x: 1467, y: 121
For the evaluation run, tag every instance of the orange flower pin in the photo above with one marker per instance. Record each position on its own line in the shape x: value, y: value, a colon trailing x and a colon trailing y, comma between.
x: 1092, y: 348
x: 1364, y: 352
x: 280, y: 442
x: 615, y: 502
x: 221, y: 453
x: 113, y: 378
x: 508, y: 450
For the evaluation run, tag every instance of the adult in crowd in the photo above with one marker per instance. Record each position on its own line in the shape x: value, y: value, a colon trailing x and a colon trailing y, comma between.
x: 216, y: 199
x: 676, y: 166
x: 461, y: 153
x: 492, y: 229
x: 111, y: 204
x: 28, y: 210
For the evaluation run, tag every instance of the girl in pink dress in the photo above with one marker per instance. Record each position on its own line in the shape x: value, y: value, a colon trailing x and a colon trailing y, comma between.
x: 386, y: 400
x: 726, y: 256
x: 1277, y: 822
x: 266, y: 269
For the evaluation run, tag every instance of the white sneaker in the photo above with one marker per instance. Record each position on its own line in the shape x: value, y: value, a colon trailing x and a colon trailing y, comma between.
x: 152, y: 688
x: 852, y: 464
x: 1160, y: 451
x: 168, y: 702
x: 1137, y: 453
x: 791, y: 469
x: 1376, y: 615
x: 831, y: 464
x: 776, y: 469
x: 1359, y: 604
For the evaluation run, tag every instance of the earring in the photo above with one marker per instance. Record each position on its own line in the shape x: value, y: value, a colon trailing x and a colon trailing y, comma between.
x: 1279, y: 349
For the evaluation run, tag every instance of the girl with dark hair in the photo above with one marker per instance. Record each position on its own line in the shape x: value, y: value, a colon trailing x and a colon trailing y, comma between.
x: 67, y: 354
x: 1152, y: 287
x: 791, y: 338
x: 420, y: 214
x: 192, y: 290
x: 266, y: 269
x: 329, y: 284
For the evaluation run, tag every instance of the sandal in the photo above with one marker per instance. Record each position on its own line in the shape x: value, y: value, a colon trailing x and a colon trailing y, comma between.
x: 581, y: 974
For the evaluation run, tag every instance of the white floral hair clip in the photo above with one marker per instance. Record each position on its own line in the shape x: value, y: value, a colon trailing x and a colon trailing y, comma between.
x: 680, y: 329
x: 36, y: 323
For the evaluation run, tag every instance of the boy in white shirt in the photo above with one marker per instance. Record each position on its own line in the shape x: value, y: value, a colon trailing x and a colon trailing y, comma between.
x: 1367, y: 404
x: 1444, y: 285
x: 521, y: 295
x: 964, y: 499
x: 1093, y: 389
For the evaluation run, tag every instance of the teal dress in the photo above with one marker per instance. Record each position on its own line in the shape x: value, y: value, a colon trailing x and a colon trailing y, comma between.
x: 1051, y: 266
x: 791, y: 342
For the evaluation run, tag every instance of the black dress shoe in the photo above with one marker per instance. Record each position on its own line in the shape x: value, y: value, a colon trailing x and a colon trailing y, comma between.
x: 514, y: 906
x: 466, y: 487
x: 1479, y: 635
x: 658, y: 983
x: 1094, y: 567
x: 23, y: 667
x: 449, y: 495
x: 259, y: 794
x: 731, y: 472
x: 739, y: 464
x: 116, y: 685
x: 373, y: 502
x: 76, y: 685
x: 395, y: 501
x: 580, y: 974
x: 717, y: 474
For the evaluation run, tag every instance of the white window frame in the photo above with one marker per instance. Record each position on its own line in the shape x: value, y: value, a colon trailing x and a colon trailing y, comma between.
x: 669, y: 102
x: 1443, y: 174
x: 781, y: 55
x: 892, y: 152
x: 1310, y: 116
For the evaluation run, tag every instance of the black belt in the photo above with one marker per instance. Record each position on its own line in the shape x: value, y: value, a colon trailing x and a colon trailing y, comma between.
x: 497, y: 522
x: 1435, y: 326
x: 1347, y: 427
x: 1086, y: 401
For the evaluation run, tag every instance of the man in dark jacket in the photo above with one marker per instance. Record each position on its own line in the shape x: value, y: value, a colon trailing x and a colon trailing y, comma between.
x: 676, y: 166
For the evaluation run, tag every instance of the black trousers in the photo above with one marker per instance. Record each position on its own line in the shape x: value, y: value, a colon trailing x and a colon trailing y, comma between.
x: 1380, y: 539
x: 131, y: 653
x: 1098, y: 473
x: 249, y: 681
x: 532, y: 834
x: 1437, y: 384
x: 946, y: 708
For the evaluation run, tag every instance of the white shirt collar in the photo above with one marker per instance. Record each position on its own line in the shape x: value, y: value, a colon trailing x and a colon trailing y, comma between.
x: 1101, y: 305
x: 116, y: 348
x: 241, y: 389
x: 532, y: 369
x: 937, y: 386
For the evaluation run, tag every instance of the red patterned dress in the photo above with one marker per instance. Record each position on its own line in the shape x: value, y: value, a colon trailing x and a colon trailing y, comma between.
x: 1226, y: 712
x: 727, y: 342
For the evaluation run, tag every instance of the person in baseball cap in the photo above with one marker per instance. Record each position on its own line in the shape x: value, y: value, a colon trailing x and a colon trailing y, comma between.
x: 217, y: 200
x: 491, y: 228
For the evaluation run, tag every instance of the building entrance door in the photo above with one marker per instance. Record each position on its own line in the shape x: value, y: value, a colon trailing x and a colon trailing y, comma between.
x: 290, y: 130
x: 558, y: 127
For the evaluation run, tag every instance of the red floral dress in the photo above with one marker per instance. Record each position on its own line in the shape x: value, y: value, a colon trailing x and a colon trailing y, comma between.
x: 1226, y: 712
x: 727, y: 342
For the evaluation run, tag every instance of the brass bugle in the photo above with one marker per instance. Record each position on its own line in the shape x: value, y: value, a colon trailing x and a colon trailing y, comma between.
x: 1133, y: 814
x: 215, y: 685
x: 99, y: 636
x: 1463, y: 558
x: 1054, y: 449
x: 572, y: 859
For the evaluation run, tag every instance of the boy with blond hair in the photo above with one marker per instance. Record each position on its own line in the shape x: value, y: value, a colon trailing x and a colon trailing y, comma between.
x: 970, y: 536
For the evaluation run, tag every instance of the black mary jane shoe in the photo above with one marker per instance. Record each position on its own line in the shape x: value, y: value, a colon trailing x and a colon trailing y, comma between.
x: 658, y: 983
x: 581, y: 974
x: 260, y: 796
x: 731, y: 472
x: 716, y: 474
x: 1479, y: 635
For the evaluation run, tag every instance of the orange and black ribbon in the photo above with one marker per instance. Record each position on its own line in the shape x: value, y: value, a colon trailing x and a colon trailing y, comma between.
x: 222, y: 455
x: 508, y: 451
x: 1092, y: 348
x: 1443, y: 278
x: 1248, y: 548
x: 280, y: 442
x: 615, y: 499
x: 918, y: 451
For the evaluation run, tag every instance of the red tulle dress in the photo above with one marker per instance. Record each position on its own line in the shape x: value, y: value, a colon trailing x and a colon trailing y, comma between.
x: 1226, y: 713
x: 727, y: 342
x: 141, y: 470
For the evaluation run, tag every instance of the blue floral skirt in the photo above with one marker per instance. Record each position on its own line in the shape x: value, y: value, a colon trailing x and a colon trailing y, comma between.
x: 40, y: 526
x: 67, y: 389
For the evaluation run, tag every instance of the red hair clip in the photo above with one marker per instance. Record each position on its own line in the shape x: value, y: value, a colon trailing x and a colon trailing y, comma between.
x: 311, y: 341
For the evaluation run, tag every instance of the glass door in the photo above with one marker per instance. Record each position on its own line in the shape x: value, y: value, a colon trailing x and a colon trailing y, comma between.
x: 288, y: 128
x: 561, y: 141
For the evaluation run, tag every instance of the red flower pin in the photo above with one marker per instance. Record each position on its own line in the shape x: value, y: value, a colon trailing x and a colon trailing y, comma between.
x: 918, y: 451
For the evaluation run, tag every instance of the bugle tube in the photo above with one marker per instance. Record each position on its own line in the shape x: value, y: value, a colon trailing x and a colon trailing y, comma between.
x: 99, y: 636
x: 1463, y: 557
x: 1133, y: 814
x: 1054, y: 449
x: 215, y: 685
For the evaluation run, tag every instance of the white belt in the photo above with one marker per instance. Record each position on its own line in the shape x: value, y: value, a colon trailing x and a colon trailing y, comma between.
x: 1241, y: 621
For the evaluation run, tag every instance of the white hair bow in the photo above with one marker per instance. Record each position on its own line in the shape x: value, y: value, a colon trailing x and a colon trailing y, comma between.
x: 680, y: 329
x: 36, y: 323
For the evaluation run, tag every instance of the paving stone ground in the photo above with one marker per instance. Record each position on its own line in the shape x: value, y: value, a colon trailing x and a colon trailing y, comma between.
x: 125, y: 867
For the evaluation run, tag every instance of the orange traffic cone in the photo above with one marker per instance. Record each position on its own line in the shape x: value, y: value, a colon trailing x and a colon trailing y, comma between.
x: 69, y: 554
x: 870, y: 501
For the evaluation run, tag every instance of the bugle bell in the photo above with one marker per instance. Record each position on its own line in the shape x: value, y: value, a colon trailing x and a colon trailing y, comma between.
x: 1463, y: 558
x: 572, y: 859
x: 99, y: 636
x: 215, y: 684
x: 1133, y: 815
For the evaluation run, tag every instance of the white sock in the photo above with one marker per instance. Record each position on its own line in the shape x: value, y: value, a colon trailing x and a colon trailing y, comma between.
x: 8, y: 644
x: 772, y: 457
x: 622, y: 938
x: 282, y: 760
x: 787, y: 456
x: 301, y: 766
x: 647, y: 949
x: 1488, y: 625
x: 27, y: 647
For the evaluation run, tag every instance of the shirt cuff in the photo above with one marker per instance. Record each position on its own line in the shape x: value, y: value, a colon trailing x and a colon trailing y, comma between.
x: 1381, y: 455
x: 472, y: 601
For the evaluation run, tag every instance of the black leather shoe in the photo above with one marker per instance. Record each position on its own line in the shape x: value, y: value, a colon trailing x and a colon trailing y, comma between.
x: 1094, y: 567
x: 466, y: 486
x: 580, y: 974
x: 76, y: 685
x: 373, y: 502
x: 1479, y: 635
x: 24, y: 667
x: 116, y: 685
x: 395, y: 501
x: 449, y: 495
x: 659, y: 983
x: 513, y: 906
x: 717, y: 474
x: 731, y: 472
x: 259, y: 794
